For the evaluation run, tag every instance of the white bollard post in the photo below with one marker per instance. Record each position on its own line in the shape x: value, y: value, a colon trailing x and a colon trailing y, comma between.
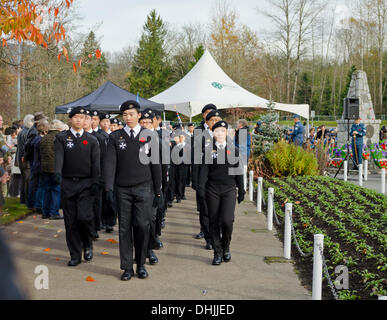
x: 383, y: 188
x: 245, y: 177
x: 365, y: 170
x: 259, y: 194
x: 360, y: 175
x: 251, y: 186
x: 270, y: 204
x: 317, y: 267
x: 345, y: 170
x: 287, y: 231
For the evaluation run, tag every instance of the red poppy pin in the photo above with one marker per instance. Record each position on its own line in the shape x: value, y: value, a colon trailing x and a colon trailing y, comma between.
x: 228, y: 152
x: 85, y: 142
x: 142, y: 140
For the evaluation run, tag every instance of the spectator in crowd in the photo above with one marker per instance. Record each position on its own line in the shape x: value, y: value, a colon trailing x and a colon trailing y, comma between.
x: 28, y: 122
x: 322, y: 133
x: 36, y: 186
x: 16, y: 178
x: 258, y: 127
x: 311, y: 137
x: 51, y: 189
x: 383, y: 133
x: 244, y: 146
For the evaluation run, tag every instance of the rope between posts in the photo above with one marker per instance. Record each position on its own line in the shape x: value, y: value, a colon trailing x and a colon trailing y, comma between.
x: 275, y: 214
x: 296, y: 242
x: 263, y: 195
x: 326, y: 272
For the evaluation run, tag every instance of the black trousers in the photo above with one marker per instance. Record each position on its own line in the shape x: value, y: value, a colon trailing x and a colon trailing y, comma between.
x: 153, y: 229
x: 109, y: 211
x: 189, y: 175
x: 180, y: 180
x: 171, y: 185
x: 203, y: 217
x: 221, y: 211
x: 134, y: 217
x: 79, y: 221
x: 97, y: 208
x: 160, y: 215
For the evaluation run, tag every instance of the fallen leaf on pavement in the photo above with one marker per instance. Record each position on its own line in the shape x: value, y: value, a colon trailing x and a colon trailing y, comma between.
x: 104, y: 252
x: 90, y: 279
x: 111, y: 241
x: 55, y: 236
x: 20, y: 222
x: 57, y: 259
x: 33, y: 217
x: 47, y: 249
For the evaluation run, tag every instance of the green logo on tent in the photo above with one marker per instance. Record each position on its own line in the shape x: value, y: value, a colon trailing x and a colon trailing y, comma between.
x: 217, y: 85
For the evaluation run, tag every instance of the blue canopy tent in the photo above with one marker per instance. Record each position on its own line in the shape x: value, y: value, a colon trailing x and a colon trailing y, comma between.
x: 108, y: 98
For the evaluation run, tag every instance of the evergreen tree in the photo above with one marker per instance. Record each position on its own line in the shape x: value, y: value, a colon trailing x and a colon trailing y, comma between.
x: 197, y: 55
x: 93, y: 73
x: 305, y: 90
x: 345, y: 92
x: 150, y: 70
x: 270, y: 132
x: 326, y: 107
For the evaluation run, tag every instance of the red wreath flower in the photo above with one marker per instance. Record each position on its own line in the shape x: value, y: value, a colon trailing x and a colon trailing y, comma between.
x: 85, y: 142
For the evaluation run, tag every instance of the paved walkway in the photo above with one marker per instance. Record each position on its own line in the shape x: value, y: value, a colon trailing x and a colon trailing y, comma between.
x: 373, y: 181
x: 184, y: 270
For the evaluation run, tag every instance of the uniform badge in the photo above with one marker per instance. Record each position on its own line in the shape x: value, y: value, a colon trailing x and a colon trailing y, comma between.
x: 208, y: 141
x: 122, y: 145
x: 70, y: 145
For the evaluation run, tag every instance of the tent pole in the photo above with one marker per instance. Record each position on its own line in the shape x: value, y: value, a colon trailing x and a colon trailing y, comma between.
x: 164, y: 115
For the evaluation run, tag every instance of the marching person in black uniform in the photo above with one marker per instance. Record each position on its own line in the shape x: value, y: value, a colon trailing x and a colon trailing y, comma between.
x: 137, y: 186
x: 190, y: 133
x: 183, y: 146
x: 146, y: 121
x: 203, y: 138
x: 77, y: 166
x: 108, y: 204
x: 217, y: 183
x: 165, y: 164
x: 104, y: 123
x: 114, y: 124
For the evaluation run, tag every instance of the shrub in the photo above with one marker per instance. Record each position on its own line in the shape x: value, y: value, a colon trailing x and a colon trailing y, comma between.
x: 289, y: 160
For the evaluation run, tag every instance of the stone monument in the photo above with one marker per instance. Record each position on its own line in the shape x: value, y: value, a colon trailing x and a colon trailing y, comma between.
x: 359, y: 89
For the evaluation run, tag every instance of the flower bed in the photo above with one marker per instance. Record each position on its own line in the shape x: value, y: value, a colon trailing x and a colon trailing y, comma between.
x: 378, y: 153
x: 354, y: 223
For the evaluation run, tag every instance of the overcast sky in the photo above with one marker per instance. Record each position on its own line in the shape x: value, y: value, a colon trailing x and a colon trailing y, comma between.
x: 122, y: 20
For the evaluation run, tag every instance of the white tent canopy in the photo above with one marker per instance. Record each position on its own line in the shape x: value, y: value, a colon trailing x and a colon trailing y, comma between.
x: 208, y: 83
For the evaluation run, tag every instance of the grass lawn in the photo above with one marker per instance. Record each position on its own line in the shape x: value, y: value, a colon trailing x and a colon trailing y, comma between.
x: 13, y: 211
x: 353, y: 221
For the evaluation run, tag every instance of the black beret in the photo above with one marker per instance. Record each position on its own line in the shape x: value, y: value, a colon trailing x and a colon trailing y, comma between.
x: 103, y: 116
x: 77, y: 110
x: 220, y: 124
x: 213, y: 113
x: 209, y: 107
x: 94, y: 113
x: 130, y: 104
x: 191, y: 124
x: 151, y: 114
x: 115, y: 120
